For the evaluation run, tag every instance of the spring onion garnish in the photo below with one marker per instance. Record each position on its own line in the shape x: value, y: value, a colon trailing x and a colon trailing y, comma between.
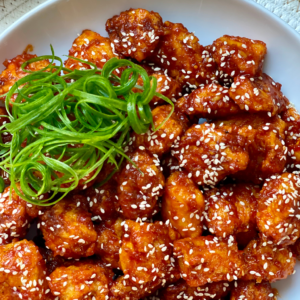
x: 64, y: 127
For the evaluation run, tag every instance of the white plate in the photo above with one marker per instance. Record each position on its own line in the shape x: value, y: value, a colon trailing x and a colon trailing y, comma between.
x: 58, y: 22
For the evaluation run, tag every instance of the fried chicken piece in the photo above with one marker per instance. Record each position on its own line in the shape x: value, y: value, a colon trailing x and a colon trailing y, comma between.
x: 183, y: 204
x: 258, y: 94
x: 146, y: 251
x: 292, y: 139
x: 183, y: 58
x: 22, y: 272
x: 80, y: 281
x: 90, y: 46
x: 231, y: 209
x: 180, y: 290
x: 102, y: 201
x: 15, y: 216
x: 251, y: 290
x: 278, y: 213
x: 208, y: 259
x: 13, y: 71
x: 68, y: 229
x: 264, y: 141
x: 209, y: 101
x: 160, y: 141
x: 296, y: 249
x: 109, y: 241
x: 211, y: 154
x: 169, y: 164
x: 238, y: 55
x: 265, y: 261
x: 137, y: 192
x: 135, y: 33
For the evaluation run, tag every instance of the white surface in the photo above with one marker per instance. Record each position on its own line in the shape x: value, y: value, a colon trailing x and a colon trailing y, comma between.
x: 58, y: 22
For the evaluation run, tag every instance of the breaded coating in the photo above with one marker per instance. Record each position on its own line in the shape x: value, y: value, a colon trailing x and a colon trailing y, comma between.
x: 13, y: 71
x: 135, y: 32
x: 251, y: 290
x: 238, y: 55
x: 183, y: 204
x: 210, y: 154
x: 231, y: 209
x: 109, y: 241
x: 265, y: 261
x: 102, y: 201
x: 15, y: 216
x: 296, y: 249
x: 160, y: 141
x: 208, y: 259
x: 180, y: 290
x: 265, y: 144
x: 22, y: 272
x: 167, y: 86
x: 146, y: 251
x: 68, y: 229
x: 169, y: 164
x: 209, y: 101
x: 92, y: 47
x: 80, y: 281
x: 258, y: 94
x: 138, y: 192
x: 292, y: 139
x: 278, y: 213
x: 183, y: 58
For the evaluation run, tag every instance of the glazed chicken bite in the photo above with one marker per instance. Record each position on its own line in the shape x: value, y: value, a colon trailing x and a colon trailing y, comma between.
x: 210, y: 154
x: 231, y: 209
x: 15, y: 216
x: 258, y: 94
x: 183, y: 58
x: 264, y: 141
x: 251, y: 290
x: 278, y: 213
x: 146, y: 251
x: 109, y: 241
x: 13, y: 71
x: 138, y: 192
x: 183, y: 204
x: 80, y: 281
x: 22, y: 272
x: 68, y: 229
x: 92, y: 47
x: 135, y: 32
x: 265, y: 261
x: 238, y: 55
x: 208, y: 259
x: 180, y: 290
x: 160, y: 141
x: 209, y: 101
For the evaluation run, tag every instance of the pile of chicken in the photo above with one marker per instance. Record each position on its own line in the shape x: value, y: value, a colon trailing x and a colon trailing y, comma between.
x: 215, y: 212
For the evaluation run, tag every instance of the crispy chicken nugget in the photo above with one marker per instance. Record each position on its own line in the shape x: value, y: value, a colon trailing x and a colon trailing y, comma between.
x: 211, y: 154
x: 146, y: 251
x: 208, y: 259
x: 209, y: 101
x: 138, y: 192
x: 251, y: 290
x: 160, y: 141
x: 68, y: 229
x: 231, y: 209
x: 135, y: 32
x: 265, y: 261
x: 183, y: 58
x: 92, y: 47
x: 183, y: 204
x: 80, y: 281
x: 278, y: 214
x: 258, y: 94
x: 238, y: 55
x: 22, y: 272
